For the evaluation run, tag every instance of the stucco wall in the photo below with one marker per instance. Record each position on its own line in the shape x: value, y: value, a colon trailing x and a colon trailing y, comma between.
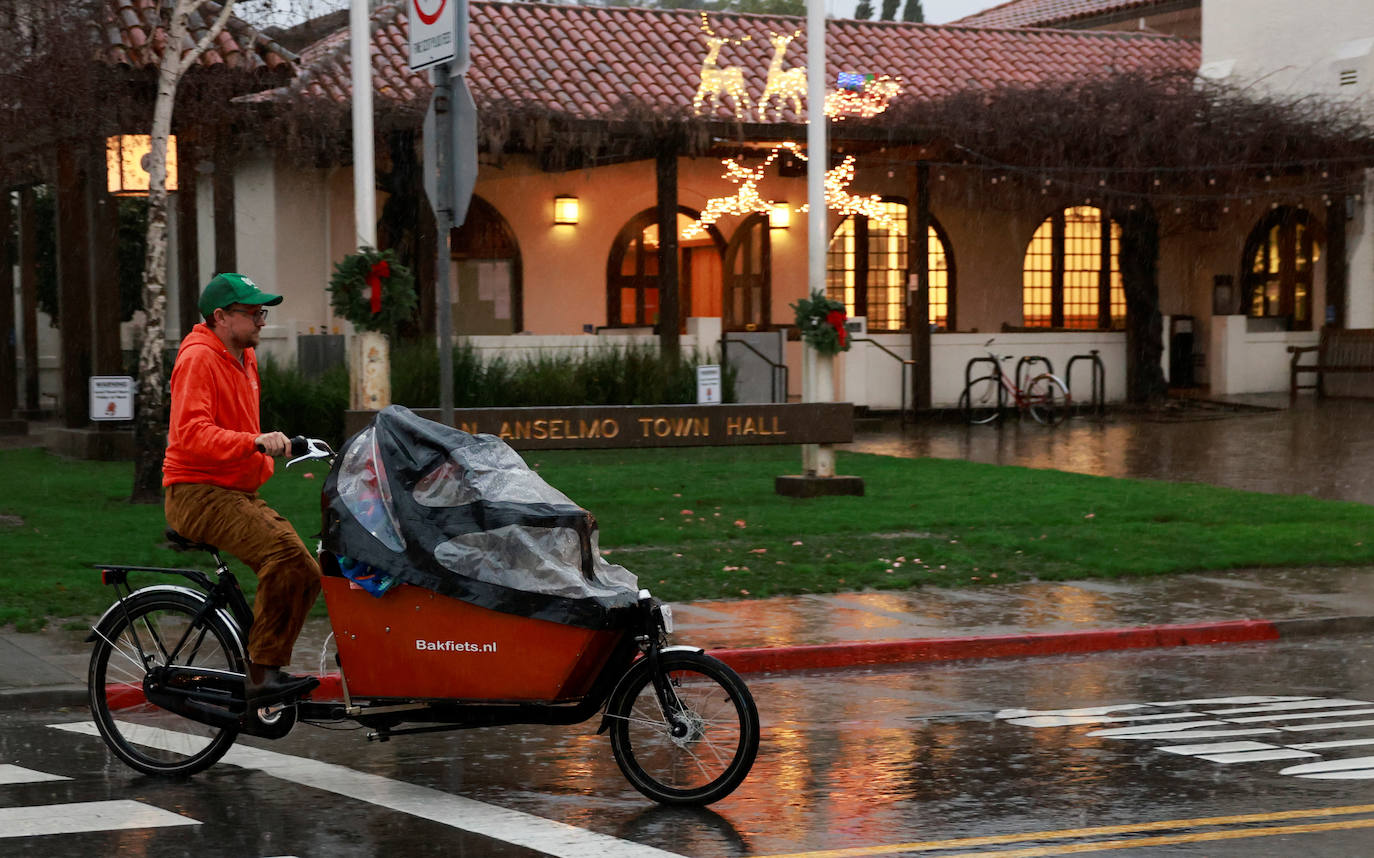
x: 1284, y: 46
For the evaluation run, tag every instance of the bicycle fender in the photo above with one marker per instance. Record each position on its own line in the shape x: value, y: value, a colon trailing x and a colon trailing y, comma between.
x: 639, y: 666
x: 159, y: 589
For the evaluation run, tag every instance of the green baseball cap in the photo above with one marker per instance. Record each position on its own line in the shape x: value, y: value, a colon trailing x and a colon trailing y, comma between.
x: 231, y: 288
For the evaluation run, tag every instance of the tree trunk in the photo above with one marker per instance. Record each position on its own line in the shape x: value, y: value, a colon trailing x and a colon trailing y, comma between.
x: 150, y: 413
x: 1144, y: 325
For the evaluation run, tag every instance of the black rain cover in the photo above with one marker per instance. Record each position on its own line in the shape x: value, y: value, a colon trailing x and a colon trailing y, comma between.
x: 463, y: 515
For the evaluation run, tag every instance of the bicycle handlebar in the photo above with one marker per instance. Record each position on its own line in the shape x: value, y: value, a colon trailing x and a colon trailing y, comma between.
x: 303, y: 448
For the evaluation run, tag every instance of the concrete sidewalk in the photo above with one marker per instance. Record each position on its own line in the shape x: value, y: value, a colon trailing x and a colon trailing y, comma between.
x: 859, y: 629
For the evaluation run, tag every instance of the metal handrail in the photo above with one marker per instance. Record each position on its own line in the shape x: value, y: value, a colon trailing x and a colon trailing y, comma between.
x: 773, y: 376
x: 907, y: 363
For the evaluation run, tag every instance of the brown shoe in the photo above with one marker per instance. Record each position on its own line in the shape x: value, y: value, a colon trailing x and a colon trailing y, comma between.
x: 265, y: 684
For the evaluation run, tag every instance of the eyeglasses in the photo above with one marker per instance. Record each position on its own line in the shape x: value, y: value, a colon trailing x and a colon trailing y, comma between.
x: 258, y: 315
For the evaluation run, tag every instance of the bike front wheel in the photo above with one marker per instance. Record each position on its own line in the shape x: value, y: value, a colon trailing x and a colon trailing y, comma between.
x: 158, y: 629
x: 981, y: 400
x: 700, y: 746
x: 1047, y: 400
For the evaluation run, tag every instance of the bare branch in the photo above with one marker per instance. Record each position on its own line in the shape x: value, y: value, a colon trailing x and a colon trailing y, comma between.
x: 215, y: 29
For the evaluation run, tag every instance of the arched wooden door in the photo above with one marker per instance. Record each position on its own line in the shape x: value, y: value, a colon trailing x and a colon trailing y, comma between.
x: 748, y: 277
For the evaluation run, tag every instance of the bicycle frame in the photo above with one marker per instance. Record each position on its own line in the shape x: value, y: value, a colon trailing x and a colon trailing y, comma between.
x: 223, y: 595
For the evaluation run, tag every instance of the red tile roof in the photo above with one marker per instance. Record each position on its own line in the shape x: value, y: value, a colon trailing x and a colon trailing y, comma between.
x: 584, y: 61
x: 133, y: 35
x: 1053, y: 13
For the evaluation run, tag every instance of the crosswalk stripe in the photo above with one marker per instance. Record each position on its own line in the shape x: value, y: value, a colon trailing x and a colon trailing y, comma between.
x: 510, y: 826
x: 11, y: 774
x: 35, y: 820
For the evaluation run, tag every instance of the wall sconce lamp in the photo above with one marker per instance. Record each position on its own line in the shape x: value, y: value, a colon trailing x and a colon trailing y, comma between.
x: 780, y: 216
x: 565, y: 211
x: 126, y: 164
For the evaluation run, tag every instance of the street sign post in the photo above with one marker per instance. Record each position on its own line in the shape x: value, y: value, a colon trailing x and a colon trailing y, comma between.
x: 439, y: 41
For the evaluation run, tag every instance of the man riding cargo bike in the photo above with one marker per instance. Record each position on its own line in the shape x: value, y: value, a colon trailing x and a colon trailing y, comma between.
x: 463, y: 591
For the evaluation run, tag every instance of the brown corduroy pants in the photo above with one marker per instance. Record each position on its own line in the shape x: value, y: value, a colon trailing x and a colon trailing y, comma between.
x: 242, y: 524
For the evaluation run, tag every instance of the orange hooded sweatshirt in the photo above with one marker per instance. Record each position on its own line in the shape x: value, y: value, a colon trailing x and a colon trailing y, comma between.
x: 214, y: 417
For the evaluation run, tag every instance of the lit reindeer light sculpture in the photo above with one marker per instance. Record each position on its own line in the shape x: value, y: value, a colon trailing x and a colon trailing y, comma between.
x: 717, y: 82
x: 783, y: 84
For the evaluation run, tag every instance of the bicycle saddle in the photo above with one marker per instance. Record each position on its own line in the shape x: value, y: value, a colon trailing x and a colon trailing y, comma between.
x: 181, y: 543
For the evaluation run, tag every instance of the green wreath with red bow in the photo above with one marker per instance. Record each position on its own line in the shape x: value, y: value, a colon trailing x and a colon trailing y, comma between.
x: 372, y: 290
x: 821, y: 322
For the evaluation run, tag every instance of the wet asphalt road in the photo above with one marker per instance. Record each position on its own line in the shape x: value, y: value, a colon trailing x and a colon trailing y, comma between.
x: 853, y: 760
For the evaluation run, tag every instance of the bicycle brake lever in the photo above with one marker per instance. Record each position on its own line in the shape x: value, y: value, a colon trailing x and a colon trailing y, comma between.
x: 314, y: 449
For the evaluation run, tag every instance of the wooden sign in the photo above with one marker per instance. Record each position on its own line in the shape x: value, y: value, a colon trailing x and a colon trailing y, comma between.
x: 611, y: 426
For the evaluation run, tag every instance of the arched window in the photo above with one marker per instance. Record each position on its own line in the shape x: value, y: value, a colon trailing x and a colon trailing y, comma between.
x: 867, y: 269
x: 632, y: 287
x: 1279, y: 257
x: 748, y: 276
x: 1071, y: 275
x: 486, y: 269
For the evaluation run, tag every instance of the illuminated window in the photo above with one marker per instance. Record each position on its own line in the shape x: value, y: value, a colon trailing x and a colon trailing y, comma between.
x: 1279, y: 257
x: 873, y: 283
x: 1071, y: 277
x: 632, y: 287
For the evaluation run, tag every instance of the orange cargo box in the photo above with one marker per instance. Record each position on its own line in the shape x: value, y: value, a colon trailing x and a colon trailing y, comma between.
x: 413, y: 642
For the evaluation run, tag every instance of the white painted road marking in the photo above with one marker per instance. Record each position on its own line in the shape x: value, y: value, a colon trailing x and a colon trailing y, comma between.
x: 19, y: 775
x: 1183, y: 724
x: 509, y: 826
x: 85, y: 816
x: 1354, y: 768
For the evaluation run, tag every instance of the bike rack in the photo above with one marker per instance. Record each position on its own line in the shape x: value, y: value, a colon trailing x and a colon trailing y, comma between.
x: 907, y: 364
x: 995, y: 368
x: 1098, y: 404
x: 1026, y: 363
x: 778, y: 369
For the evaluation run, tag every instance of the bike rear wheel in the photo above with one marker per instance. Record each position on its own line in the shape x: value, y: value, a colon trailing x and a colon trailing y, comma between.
x: 1047, y: 400
x: 981, y: 400
x: 167, y: 629
x: 698, y: 751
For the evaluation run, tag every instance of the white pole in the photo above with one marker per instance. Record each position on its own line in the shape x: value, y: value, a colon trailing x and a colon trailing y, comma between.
x: 816, y: 145
x: 370, y: 353
x: 817, y: 383
x: 364, y: 160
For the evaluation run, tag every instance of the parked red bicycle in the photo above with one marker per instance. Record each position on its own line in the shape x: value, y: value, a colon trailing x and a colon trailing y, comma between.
x: 1044, y: 396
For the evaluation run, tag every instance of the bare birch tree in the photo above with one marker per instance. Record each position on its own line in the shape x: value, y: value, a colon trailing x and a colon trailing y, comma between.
x: 150, y: 429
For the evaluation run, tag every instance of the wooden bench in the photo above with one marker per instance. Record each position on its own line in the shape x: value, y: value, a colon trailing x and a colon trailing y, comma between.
x: 1340, y: 350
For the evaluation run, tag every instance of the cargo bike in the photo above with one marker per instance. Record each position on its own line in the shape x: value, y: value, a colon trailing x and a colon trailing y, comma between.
x: 463, y: 591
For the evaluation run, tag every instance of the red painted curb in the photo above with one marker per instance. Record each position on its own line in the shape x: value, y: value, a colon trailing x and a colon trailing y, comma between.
x: 861, y: 653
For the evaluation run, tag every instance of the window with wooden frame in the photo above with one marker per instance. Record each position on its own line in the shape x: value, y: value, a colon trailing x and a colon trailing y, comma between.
x: 632, y: 271
x: 1278, y: 262
x: 873, y: 283
x: 1071, y: 273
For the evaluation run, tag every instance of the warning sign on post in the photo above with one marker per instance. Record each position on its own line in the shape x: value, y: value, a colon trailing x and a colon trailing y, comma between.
x: 112, y: 397
x: 708, y: 384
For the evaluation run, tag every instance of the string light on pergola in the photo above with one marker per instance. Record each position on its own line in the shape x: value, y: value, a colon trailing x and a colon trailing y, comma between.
x: 747, y: 200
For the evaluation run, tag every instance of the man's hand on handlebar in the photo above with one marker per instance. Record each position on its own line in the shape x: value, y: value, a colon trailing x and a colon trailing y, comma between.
x: 273, y: 443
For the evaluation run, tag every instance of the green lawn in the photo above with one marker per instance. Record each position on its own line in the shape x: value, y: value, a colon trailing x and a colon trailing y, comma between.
x: 705, y: 523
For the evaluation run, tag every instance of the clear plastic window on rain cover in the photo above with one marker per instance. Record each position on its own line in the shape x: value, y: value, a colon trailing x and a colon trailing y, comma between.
x: 545, y: 560
x: 489, y: 469
x: 365, y: 493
